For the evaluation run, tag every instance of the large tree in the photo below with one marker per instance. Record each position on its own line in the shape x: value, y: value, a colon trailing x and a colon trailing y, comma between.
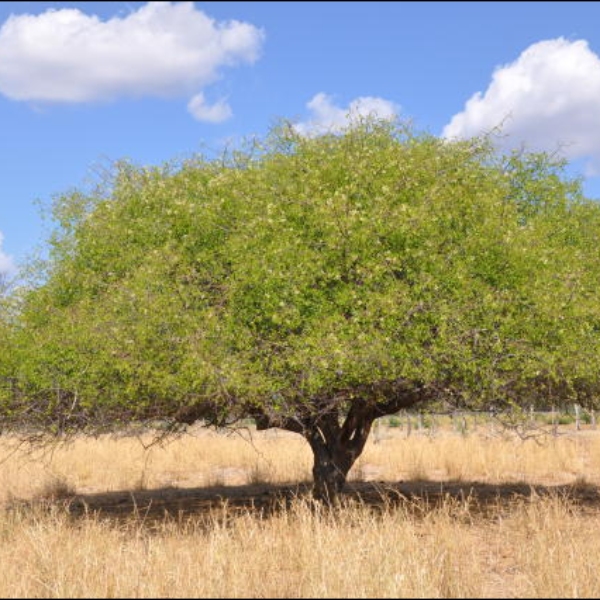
x: 312, y: 284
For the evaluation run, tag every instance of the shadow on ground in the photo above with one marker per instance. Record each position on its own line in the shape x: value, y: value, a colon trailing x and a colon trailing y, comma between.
x: 417, y: 497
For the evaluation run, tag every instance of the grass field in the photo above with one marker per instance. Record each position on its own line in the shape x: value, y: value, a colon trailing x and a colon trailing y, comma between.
x: 437, y: 513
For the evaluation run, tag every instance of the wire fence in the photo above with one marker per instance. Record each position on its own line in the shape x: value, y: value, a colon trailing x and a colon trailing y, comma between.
x: 526, y: 424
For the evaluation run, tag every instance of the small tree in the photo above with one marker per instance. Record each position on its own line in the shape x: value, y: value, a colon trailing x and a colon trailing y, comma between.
x: 314, y: 284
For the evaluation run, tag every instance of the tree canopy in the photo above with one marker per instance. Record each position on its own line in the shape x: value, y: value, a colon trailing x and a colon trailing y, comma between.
x: 312, y: 283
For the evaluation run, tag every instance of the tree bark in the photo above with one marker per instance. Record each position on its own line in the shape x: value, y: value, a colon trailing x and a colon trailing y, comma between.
x: 332, y: 462
x: 335, y: 449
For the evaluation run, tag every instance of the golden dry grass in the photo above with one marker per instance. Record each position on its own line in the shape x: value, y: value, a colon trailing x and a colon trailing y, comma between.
x: 205, y: 458
x: 530, y: 546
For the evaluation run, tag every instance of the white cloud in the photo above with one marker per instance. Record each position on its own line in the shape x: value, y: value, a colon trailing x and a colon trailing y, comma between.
x: 329, y: 118
x: 6, y: 263
x: 548, y: 97
x: 163, y: 49
x: 214, y: 113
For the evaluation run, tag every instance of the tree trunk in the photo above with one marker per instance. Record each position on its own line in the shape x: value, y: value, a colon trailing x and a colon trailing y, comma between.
x: 335, y: 450
x: 330, y: 469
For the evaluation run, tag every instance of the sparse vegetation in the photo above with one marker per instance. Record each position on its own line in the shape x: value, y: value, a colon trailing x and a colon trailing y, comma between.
x: 486, y: 537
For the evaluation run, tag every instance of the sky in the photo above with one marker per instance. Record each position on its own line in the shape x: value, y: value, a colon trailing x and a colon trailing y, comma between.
x: 85, y: 84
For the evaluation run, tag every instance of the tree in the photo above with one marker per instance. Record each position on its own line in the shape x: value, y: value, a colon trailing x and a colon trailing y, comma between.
x: 314, y: 284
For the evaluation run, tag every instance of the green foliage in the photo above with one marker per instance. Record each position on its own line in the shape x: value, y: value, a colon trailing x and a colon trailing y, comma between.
x: 309, y: 266
x: 394, y: 421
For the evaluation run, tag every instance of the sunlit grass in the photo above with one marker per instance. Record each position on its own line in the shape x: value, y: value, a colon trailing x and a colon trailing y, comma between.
x: 533, y: 547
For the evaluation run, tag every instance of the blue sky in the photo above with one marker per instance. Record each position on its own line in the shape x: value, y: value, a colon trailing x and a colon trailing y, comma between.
x: 83, y: 84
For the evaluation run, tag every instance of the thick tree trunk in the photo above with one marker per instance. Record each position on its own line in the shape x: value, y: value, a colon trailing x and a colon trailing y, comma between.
x: 335, y: 449
x: 330, y: 470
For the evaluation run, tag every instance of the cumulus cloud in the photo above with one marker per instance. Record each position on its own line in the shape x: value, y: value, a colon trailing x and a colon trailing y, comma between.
x: 163, y: 49
x: 547, y: 99
x: 213, y: 113
x: 6, y: 263
x: 329, y: 118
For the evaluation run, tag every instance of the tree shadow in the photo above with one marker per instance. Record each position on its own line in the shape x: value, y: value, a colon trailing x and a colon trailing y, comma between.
x: 417, y: 497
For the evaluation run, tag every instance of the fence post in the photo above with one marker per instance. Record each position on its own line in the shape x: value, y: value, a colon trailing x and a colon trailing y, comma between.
x: 577, y: 418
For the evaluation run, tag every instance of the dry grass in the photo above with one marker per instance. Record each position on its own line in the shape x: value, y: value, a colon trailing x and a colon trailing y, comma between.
x: 206, y: 458
x: 203, y: 458
x: 527, y: 547
x: 481, y: 457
